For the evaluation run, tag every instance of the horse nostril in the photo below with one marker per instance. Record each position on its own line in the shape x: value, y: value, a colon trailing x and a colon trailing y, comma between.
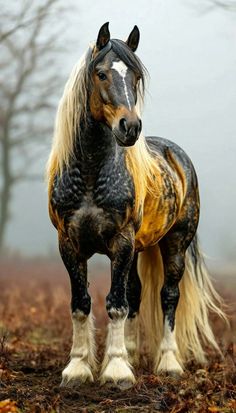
x: 133, y: 131
x: 123, y: 125
x: 140, y: 126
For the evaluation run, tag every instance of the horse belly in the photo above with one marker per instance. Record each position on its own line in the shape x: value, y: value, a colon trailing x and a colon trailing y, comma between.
x: 158, y: 218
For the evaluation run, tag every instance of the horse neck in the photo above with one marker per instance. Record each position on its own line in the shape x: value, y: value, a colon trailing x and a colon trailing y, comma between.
x: 95, y: 143
x: 95, y: 146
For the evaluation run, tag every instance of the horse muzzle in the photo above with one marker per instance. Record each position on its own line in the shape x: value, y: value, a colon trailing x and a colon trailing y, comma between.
x: 127, y: 132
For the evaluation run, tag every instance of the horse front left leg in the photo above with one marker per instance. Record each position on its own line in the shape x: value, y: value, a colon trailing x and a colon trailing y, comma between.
x: 116, y: 368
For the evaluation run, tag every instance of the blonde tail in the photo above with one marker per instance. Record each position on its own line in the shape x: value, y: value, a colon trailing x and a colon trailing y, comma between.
x: 197, y: 299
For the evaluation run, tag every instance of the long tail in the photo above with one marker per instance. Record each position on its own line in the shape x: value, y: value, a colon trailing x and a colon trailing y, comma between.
x: 198, y: 298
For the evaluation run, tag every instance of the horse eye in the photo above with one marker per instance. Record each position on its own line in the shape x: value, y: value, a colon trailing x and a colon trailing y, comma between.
x: 102, y: 76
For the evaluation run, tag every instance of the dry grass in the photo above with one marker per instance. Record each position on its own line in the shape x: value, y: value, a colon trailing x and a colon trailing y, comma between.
x: 35, y: 341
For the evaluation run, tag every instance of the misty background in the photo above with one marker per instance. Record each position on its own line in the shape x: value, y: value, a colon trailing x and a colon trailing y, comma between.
x: 189, y: 49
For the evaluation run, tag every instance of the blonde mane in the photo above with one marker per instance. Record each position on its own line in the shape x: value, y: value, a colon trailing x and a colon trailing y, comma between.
x: 144, y: 169
x: 71, y: 111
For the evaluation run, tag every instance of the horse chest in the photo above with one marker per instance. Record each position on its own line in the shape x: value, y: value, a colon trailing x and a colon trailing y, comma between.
x: 94, y: 206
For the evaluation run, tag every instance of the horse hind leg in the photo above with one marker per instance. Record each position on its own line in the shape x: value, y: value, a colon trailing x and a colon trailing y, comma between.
x: 82, y: 359
x: 131, y: 324
x: 173, y: 255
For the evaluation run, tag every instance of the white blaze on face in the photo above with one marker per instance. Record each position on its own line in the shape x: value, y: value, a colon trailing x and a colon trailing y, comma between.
x: 121, y: 68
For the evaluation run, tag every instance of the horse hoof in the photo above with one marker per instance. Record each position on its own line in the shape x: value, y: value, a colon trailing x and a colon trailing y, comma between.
x: 118, y: 374
x: 71, y: 383
x: 124, y: 384
x: 75, y: 381
x: 109, y: 384
x: 76, y: 373
x: 176, y: 374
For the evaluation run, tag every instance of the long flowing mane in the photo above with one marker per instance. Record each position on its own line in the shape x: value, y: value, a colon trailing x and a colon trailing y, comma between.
x: 72, y: 111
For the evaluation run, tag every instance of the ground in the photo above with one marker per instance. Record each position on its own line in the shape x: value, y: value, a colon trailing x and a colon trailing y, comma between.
x: 35, y: 339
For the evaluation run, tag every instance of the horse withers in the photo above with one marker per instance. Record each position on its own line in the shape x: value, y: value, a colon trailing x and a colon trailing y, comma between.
x: 113, y: 191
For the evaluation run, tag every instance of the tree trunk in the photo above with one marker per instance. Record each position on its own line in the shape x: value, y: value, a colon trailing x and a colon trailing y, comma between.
x: 6, y: 189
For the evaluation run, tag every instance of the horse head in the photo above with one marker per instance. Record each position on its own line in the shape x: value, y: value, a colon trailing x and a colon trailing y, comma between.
x: 117, y: 76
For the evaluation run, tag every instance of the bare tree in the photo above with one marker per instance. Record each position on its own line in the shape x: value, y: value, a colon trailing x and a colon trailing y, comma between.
x: 29, y: 78
x: 211, y: 5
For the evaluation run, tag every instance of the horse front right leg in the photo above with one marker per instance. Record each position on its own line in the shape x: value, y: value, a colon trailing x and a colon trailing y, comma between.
x: 116, y: 369
x: 82, y: 359
x: 133, y: 293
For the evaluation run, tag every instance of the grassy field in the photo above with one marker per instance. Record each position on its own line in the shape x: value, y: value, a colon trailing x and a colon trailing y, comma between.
x: 35, y: 339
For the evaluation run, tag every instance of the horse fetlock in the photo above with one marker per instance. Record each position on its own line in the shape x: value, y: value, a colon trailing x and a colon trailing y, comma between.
x: 117, y: 313
x: 79, y: 316
x: 77, y: 372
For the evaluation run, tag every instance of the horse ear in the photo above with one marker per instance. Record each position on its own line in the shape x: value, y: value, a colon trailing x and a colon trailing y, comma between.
x: 103, y: 36
x: 133, y: 39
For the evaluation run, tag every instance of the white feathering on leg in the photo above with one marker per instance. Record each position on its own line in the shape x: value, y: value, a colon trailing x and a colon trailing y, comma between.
x: 82, y: 351
x: 168, y: 361
x: 115, y: 364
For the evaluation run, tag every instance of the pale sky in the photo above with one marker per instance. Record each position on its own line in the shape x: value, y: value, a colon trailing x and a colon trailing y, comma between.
x: 191, y: 59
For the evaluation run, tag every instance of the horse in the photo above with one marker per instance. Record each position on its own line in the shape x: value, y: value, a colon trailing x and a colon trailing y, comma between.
x: 135, y: 199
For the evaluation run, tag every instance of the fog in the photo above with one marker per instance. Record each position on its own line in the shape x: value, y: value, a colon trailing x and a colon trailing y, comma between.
x: 191, y: 99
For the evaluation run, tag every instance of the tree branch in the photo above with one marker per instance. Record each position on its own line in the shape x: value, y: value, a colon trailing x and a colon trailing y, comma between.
x: 229, y: 5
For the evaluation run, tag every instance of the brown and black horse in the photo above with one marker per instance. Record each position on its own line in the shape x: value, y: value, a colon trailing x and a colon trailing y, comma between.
x: 135, y: 199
